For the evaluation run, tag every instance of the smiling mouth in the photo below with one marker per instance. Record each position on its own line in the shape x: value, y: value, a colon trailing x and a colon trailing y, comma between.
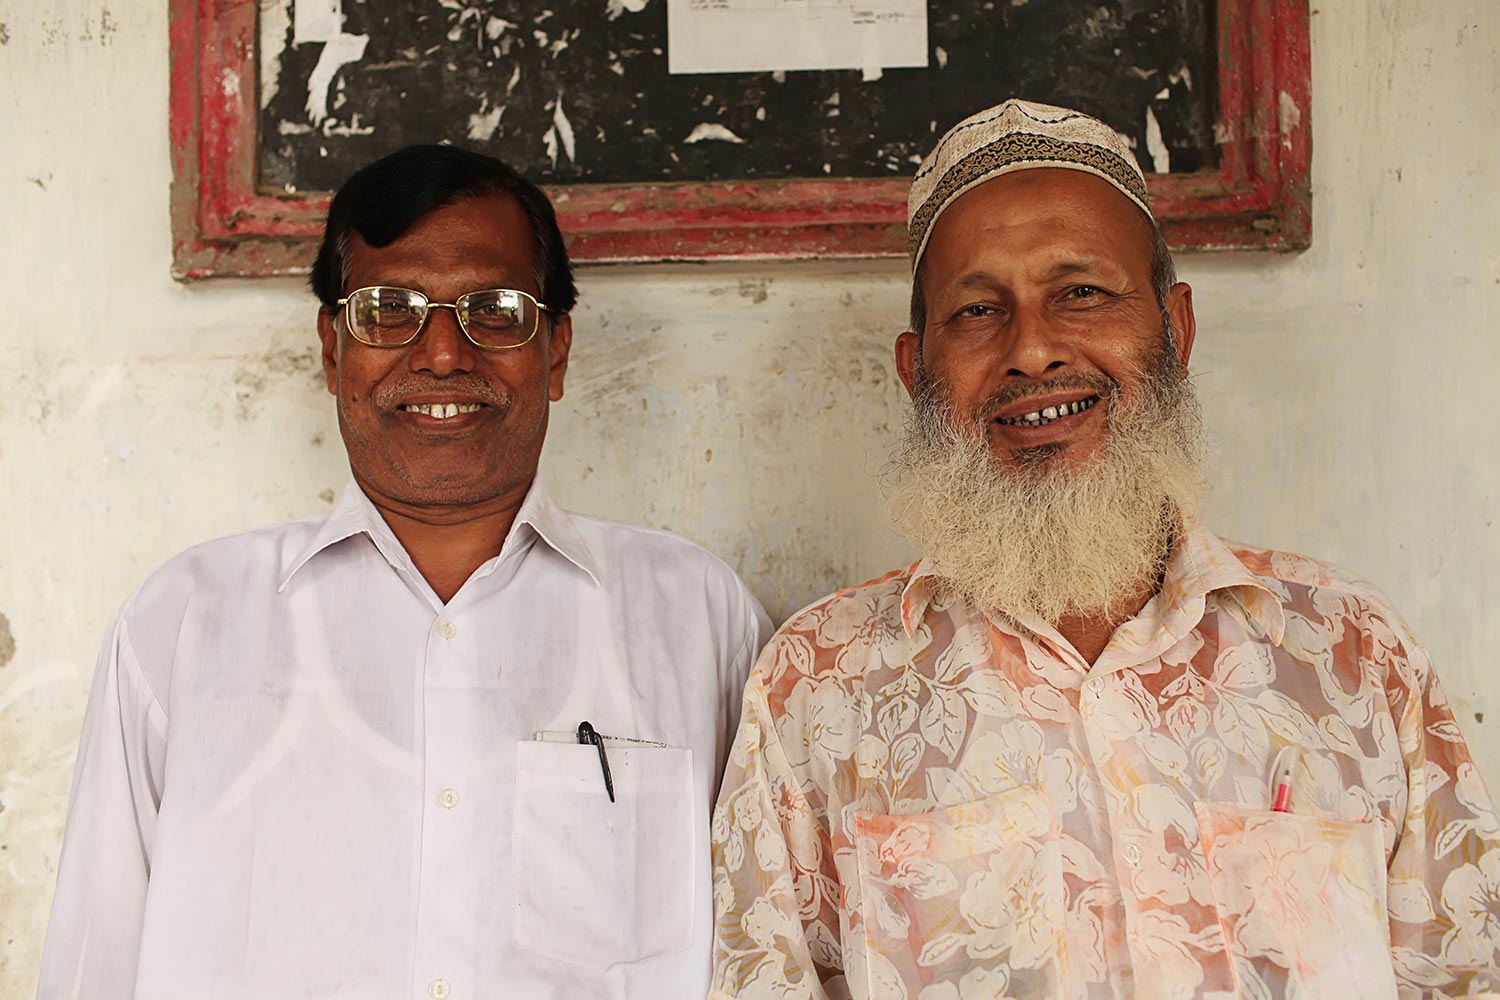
x: 442, y: 411
x: 1041, y: 418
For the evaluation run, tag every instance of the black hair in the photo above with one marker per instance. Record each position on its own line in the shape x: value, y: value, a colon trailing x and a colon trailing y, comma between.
x: 386, y: 198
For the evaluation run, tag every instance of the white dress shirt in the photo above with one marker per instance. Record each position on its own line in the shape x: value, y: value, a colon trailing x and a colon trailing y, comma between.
x: 303, y: 775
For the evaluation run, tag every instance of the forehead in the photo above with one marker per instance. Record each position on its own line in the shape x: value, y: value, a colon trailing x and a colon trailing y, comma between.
x: 487, y: 239
x: 1034, y: 216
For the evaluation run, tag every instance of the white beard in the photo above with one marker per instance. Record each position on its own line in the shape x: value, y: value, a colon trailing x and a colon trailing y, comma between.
x: 1034, y: 537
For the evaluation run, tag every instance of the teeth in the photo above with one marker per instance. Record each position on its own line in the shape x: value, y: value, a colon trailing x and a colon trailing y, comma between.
x: 1038, y: 418
x: 442, y: 411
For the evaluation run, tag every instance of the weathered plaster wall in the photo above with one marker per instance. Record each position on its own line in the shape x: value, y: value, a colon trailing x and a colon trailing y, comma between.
x: 1349, y: 389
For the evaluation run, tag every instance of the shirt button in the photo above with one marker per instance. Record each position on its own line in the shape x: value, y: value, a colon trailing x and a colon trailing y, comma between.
x: 1132, y: 855
x: 448, y: 798
x: 447, y: 629
x: 437, y: 989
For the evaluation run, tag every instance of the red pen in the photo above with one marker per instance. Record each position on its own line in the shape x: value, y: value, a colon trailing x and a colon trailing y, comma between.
x: 1283, y: 799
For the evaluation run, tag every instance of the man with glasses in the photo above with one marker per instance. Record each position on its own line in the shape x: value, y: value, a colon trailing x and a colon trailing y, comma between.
x: 447, y: 740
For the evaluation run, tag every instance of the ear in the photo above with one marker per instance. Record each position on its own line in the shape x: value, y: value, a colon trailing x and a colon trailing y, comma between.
x: 908, y: 351
x: 1184, y: 325
x: 328, y: 333
x: 558, y: 344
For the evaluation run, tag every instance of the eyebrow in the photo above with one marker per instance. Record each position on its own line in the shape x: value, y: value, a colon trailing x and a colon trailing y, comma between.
x: 1063, y: 269
x: 1068, y: 267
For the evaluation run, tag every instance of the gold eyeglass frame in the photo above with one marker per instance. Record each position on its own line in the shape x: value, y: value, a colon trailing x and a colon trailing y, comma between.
x: 427, y: 314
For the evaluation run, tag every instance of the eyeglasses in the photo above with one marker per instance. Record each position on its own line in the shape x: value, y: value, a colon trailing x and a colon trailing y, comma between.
x: 497, y: 318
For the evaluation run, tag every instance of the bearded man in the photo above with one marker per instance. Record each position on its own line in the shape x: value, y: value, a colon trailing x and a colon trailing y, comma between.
x: 1084, y: 747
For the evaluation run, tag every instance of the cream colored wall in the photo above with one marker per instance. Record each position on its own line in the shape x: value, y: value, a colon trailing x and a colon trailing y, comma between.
x: 1349, y: 390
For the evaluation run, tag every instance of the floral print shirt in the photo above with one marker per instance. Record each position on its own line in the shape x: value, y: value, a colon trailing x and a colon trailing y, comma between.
x: 927, y: 803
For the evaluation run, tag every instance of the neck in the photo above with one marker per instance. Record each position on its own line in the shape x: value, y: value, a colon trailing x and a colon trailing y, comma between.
x: 447, y: 543
x: 1090, y: 634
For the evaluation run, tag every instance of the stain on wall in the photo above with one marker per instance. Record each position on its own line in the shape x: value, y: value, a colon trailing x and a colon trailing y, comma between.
x: 7, y: 642
x: 280, y: 364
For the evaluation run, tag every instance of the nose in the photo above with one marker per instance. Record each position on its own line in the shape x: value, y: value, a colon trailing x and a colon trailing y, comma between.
x: 1034, y: 348
x: 442, y: 348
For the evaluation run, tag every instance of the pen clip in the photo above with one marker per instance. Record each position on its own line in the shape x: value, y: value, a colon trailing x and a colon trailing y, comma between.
x: 586, y: 734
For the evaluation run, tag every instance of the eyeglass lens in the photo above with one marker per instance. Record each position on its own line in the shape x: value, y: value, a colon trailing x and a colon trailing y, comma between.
x: 497, y: 317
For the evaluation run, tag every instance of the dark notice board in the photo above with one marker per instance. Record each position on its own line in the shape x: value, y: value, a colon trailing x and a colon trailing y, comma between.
x: 577, y: 91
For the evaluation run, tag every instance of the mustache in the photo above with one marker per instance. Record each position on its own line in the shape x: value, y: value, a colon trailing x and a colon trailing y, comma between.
x: 1005, y: 395
x: 389, y: 395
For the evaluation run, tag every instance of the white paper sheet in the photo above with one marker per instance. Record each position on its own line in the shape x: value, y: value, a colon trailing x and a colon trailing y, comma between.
x: 747, y: 36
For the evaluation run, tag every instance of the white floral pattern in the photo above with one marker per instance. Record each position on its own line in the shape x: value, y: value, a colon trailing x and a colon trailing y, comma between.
x: 927, y: 803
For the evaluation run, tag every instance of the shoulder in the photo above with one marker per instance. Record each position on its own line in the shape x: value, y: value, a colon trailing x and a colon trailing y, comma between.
x: 651, y: 561
x: 246, y: 564
x: 240, y: 568
x: 844, y: 634
x: 1322, y: 602
x: 619, y: 546
x: 1292, y: 575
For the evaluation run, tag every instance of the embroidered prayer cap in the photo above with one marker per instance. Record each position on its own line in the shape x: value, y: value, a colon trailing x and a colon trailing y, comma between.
x: 1016, y: 135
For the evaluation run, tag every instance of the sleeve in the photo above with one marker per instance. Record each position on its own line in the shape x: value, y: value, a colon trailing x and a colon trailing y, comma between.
x: 93, y: 936
x: 775, y: 886
x: 1443, y: 893
x: 755, y: 631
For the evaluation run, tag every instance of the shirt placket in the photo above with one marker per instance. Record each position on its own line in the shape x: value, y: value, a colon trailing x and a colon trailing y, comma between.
x: 443, y: 966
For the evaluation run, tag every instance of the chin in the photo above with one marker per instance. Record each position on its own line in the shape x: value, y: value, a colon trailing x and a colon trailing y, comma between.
x: 1043, y: 454
x: 456, y: 492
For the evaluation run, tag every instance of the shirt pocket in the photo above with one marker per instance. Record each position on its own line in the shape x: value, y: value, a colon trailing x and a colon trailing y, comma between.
x: 1301, y: 900
x: 971, y: 895
x: 601, y: 883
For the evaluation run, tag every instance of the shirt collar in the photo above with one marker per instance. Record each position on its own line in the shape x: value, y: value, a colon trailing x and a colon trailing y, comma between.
x: 1201, y: 564
x: 917, y: 595
x: 1205, y: 564
x: 555, y: 527
x: 354, y: 514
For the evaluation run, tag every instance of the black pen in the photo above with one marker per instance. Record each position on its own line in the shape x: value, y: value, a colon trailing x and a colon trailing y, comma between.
x: 586, y: 734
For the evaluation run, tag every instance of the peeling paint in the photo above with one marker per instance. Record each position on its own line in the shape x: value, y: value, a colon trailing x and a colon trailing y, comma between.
x: 711, y: 131
x: 316, y: 20
x: 1289, y: 115
x: 561, y: 132
x: 275, y: 25
x: 337, y: 52
x: 1161, y: 157
x: 614, y: 8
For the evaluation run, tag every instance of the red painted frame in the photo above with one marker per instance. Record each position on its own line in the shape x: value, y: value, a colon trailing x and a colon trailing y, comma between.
x: 1259, y: 198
